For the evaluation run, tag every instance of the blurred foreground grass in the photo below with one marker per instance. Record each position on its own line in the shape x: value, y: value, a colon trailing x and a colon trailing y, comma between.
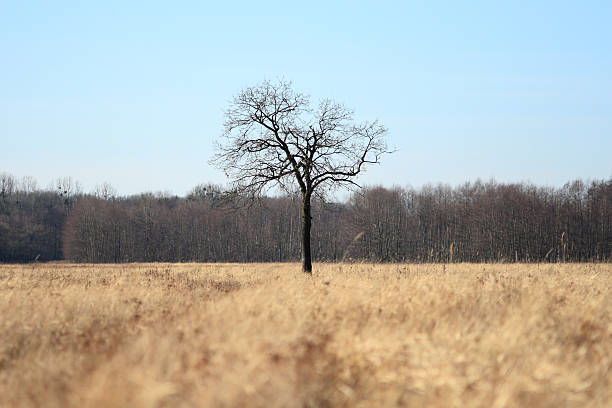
x: 266, y: 335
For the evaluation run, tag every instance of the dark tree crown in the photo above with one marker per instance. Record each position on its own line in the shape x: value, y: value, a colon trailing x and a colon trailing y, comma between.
x: 273, y: 137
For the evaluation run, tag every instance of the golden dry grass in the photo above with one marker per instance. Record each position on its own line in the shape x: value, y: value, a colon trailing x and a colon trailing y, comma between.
x: 265, y: 335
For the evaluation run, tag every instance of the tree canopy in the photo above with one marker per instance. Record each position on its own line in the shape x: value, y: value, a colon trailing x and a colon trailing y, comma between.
x: 274, y: 137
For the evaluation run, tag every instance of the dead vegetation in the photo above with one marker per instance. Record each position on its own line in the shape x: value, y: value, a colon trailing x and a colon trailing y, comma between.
x: 265, y: 335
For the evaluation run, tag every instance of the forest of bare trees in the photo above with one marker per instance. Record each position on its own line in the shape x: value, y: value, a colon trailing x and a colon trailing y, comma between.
x: 474, y: 222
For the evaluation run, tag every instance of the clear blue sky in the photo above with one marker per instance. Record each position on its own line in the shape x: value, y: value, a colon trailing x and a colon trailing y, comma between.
x: 133, y: 93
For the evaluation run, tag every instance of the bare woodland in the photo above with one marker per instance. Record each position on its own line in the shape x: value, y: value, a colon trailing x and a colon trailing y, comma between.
x: 283, y: 158
x: 474, y: 222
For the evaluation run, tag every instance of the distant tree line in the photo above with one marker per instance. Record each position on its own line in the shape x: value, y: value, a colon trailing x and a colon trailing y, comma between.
x: 32, y: 220
x: 475, y: 222
x: 485, y: 222
x: 201, y: 227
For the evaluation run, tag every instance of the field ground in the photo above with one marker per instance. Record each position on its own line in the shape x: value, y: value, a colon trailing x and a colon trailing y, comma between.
x: 265, y: 335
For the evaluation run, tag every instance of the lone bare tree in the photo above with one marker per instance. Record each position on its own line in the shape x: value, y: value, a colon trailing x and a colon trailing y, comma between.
x: 273, y: 138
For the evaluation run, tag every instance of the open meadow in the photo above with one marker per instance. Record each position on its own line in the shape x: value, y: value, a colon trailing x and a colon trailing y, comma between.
x: 267, y: 335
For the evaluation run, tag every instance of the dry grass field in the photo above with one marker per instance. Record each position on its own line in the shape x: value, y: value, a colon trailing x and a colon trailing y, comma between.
x: 265, y: 335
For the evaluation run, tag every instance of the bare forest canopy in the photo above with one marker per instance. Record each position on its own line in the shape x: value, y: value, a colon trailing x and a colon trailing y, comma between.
x: 474, y: 222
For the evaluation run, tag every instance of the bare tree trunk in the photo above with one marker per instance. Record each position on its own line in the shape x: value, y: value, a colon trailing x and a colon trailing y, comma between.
x: 306, y: 224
